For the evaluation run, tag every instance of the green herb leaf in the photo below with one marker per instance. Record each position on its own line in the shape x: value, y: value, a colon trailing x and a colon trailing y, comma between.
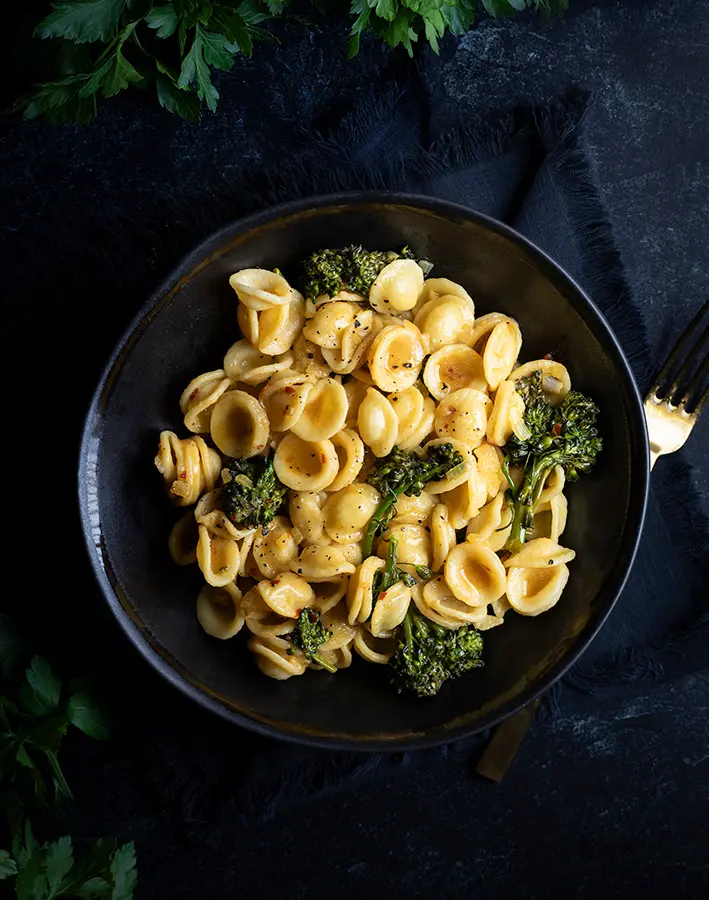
x: 218, y: 51
x: 124, y: 874
x: 85, y: 715
x: 45, y: 684
x: 115, y: 75
x: 59, y: 102
x: 183, y: 103
x: 195, y: 69
x: 83, y: 21
x: 60, y: 783
x: 59, y: 859
x: 163, y: 19
x: 8, y: 866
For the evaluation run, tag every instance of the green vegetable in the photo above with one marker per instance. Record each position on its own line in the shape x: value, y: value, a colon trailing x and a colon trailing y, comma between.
x: 391, y: 573
x: 36, y: 710
x: 309, y: 635
x: 172, y: 47
x: 349, y: 269
x: 405, y: 472
x: 429, y: 655
x: 564, y: 435
x: 253, y: 494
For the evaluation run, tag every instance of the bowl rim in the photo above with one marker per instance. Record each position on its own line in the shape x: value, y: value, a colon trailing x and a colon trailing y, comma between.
x: 639, y: 445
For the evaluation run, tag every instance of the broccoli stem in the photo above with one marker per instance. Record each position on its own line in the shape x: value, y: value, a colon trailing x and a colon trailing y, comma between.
x: 526, y: 501
x: 319, y: 661
x: 377, y: 521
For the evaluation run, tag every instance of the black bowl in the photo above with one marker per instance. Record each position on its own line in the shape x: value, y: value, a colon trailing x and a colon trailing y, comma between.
x: 186, y: 328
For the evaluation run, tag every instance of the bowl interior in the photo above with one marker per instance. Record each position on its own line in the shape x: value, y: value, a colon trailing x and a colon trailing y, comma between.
x: 188, y: 328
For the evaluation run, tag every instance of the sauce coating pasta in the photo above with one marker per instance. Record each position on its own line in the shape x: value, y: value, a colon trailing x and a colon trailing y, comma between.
x: 358, y: 470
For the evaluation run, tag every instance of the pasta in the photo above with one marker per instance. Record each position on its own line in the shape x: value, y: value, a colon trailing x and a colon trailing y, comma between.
x: 287, y: 480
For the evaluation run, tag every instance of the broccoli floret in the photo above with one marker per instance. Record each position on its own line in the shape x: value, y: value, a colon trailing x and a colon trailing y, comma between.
x: 252, y: 493
x: 428, y: 654
x: 391, y: 573
x: 405, y: 472
x: 563, y: 435
x: 308, y: 636
x: 349, y: 269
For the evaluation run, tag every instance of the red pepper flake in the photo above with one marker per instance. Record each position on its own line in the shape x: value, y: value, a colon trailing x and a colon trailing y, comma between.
x: 182, y: 475
x: 313, y: 616
x: 547, y: 356
x: 556, y: 430
x: 289, y: 390
x: 194, y: 393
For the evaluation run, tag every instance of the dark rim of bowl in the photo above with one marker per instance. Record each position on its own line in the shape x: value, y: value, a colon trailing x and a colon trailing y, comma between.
x: 174, y: 672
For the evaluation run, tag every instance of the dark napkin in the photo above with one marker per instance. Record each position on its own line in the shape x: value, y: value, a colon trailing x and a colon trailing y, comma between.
x: 530, y: 168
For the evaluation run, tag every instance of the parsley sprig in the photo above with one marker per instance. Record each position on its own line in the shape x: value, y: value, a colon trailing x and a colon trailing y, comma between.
x: 172, y: 47
x: 37, y: 709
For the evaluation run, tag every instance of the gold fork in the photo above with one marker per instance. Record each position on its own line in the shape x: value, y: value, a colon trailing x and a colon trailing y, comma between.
x: 674, y: 403
x: 672, y: 407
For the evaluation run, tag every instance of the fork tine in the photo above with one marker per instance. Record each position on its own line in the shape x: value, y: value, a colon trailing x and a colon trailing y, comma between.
x: 694, y: 388
x: 685, y: 382
x: 678, y: 352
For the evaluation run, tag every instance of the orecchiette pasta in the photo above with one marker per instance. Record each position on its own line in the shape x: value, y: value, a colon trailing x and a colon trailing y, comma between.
x: 334, y: 460
x: 219, y: 610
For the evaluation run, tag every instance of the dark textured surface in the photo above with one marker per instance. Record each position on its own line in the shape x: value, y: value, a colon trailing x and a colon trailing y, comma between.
x: 611, y: 804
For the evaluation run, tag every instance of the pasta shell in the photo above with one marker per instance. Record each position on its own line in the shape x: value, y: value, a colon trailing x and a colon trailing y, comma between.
x: 275, y: 657
x: 397, y: 287
x: 440, y: 605
x: 182, y: 542
x: 342, y: 633
x: 549, y: 367
x: 324, y: 413
x: 390, y: 609
x: 465, y: 501
x: 248, y: 323
x: 187, y: 466
x: 414, y: 544
x: 489, y: 459
x: 304, y: 509
x: 308, y: 358
x: 372, y: 649
x: 329, y: 593
x: 284, y: 399
x: 452, y: 368
x: 463, y: 415
x: 433, y: 288
x: 540, y: 553
x: 261, y: 289
x: 359, y: 591
x: 442, y: 537
x: 550, y: 521
x: 247, y: 364
x: 323, y: 563
x: 239, y: 425
x: 331, y: 320
x: 377, y: 423
x: 275, y: 547
x: 408, y: 406
x: 395, y: 358
x: 199, y: 397
x: 219, y: 611
x: 347, y: 512
x: 261, y: 619
x: 208, y: 513
x: 532, y: 591
x: 492, y: 524
x: 474, y: 573
x: 305, y: 465
x: 501, y: 352
x: 444, y: 320
x: 507, y: 413
x: 286, y: 594
x: 218, y: 558
x: 356, y: 391
x: 413, y: 510
x: 423, y: 429
x: 553, y: 485
x: 477, y: 337
x: 279, y: 326
x: 350, y: 454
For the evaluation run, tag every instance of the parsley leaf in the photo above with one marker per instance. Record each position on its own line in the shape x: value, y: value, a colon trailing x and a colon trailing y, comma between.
x: 8, y: 866
x: 195, y: 69
x: 45, y: 684
x: 58, y: 860
x: 124, y: 873
x: 83, y: 21
x: 163, y: 19
x: 85, y: 715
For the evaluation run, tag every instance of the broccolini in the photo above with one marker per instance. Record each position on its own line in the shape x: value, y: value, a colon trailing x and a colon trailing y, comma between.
x: 309, y: 635
x: 429, y: 655
x: 349, y: 269
x: 252, y: 493
x: 405, y: 472
x: 564, y: 435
